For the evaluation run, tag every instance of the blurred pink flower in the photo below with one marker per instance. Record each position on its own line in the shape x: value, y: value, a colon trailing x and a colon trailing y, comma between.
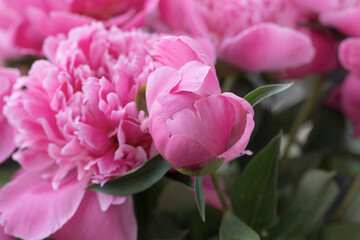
x: 191, y: 122
x: 77, y: 123
x: 252, y: 35
x: 342, y: 15
x: 7, y: 80
x: 346, y: 96
x: 33, y: 20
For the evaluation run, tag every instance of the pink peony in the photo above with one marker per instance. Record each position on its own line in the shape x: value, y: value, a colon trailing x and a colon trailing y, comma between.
x: 343, y: 15
x: 7, y: 79
x: 346, y: 96
x: 191, y: 122
x: 77, y: 123
x: 34, y: 20
x: 252, y: 35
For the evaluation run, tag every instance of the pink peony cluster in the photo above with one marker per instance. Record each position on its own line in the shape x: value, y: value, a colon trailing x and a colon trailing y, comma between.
x: 26, y: 24
x: 77, y: 123
x: 252, y: 35
x: 344, y: 17
x: 191, y: 122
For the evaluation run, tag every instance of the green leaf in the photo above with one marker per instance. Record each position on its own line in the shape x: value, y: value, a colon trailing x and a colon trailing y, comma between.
x: 261, y: 93
x: 199, y: 197
x: 314, y: 196
x: 253, y: 196
x: 343, y: 231
x: 321, y: 137
x: 232, y: 228
x: 141, y: 99
x: 178, y: 177
x: 135, y: 181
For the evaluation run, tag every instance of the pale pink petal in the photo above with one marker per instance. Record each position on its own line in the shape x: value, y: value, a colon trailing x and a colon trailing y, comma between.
x: 267, y: 47
x: 177, y: 51
x: 31, y: 209
x: 91, y: 223
x: 198, y: 78
x: 160, y: 81
x: 346, y: 21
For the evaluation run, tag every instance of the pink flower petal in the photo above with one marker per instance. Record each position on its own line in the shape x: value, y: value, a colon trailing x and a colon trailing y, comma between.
x: 90, y: 222
x: 242, y: 129
x: 31, y: 209
x: 176, y: 51
x: 7, y: 143
x: 347, y: 20
x: 349, y: 54
x: 267, y: 47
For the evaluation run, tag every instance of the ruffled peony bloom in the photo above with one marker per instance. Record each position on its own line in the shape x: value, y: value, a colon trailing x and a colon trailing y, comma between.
x: 77, y: 123
x: 33, y: 20
x: 7, y: 79
x: 191, y: 122
x: 252, y: 35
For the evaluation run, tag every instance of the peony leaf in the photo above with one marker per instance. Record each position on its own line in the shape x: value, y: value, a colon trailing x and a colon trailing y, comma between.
x: 261, y: 93
x: 232, y: 228
x: 303, y: 217
x: 178, y: 177
x: 253, y: 196
x: 199, y: 197
x: 135, y: 181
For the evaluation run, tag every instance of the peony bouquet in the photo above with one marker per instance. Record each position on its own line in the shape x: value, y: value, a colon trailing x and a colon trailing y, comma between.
x: 179, y: 119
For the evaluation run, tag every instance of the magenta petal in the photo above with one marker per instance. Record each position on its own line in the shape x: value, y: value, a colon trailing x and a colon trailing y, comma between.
x: 350, y: 101
x: 89, y: 222
x: 31, y: 209
x: 349, y: 54
x: 7, y: 144
x: 185, y: 152
x: 242, y: 129
x: 347, y: 21
x: 267, y: 47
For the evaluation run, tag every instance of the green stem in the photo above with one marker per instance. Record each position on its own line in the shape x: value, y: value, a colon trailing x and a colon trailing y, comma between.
x: 354, y: 188
x: 219, y: 192
x: 303, y: 115
x: 229, y: 83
